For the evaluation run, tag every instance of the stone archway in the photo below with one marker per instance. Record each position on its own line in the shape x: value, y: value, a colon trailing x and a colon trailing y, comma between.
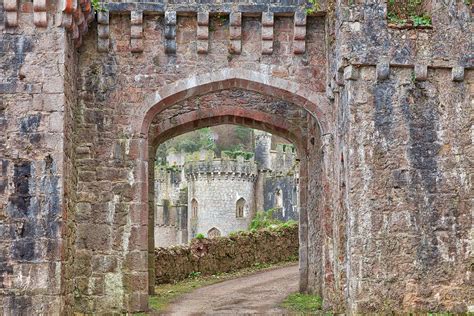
x: 305, y: 108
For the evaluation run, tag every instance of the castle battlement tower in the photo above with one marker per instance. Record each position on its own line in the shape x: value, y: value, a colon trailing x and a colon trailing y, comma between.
x: 263, y: 144
x: 220, y: 195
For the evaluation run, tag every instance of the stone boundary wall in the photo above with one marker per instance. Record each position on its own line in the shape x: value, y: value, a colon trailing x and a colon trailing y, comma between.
x: 224, y: 254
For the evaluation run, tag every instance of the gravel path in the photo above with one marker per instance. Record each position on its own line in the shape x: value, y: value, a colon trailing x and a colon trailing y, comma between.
x: 259, y: 293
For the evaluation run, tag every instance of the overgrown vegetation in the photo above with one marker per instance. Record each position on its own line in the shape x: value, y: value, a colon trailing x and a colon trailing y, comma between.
x: 200, y: 236
x: 267, y: 220
x: 233, y: 140
x: 406, y: 12
x: 313, y: 6
x: 97, y: 5
x: 303, y: 303
x: 167, y: 293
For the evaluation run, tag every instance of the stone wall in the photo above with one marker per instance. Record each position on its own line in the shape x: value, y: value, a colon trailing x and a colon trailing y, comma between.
x: 285, y: 207
x: 37, y: 179
x: 225, y: 254
x: 409, y: 191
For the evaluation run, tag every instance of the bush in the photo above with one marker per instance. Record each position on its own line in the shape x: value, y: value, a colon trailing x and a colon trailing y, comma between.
x: 266, y: 220
x: 200, y: 236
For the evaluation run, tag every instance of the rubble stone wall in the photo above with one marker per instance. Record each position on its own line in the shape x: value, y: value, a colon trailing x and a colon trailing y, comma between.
x: 225, y: 254
x: 37, y: 98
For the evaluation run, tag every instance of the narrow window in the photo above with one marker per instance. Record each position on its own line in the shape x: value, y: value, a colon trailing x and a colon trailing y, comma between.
x: 213, y: 232
x: 194, y: 208
x: 278, y: 198
x: 240, y: 205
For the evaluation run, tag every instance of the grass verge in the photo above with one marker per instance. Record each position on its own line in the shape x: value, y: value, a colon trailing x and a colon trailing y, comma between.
x: 167, y: 293
x: 303, y: 303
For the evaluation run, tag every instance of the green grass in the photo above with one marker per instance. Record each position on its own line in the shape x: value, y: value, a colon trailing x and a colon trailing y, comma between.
x: 303, y: 303
x: 167, y: 293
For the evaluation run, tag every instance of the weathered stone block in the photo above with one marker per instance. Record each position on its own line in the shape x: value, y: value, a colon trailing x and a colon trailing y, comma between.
x: 103, y: 17
x: 136, y: 17
x: 202, y: 47
x: 421, y: 72
x: 299, y: 47
x: 383, y: 71
x: 267, y: 19
x: 235, y: 19
x: 203, y: 18
x: 170, y: 18
x: 103, y: 31
x: 351, y: 73
x: 457, y: 74
x: 235, y: 32
x: 203, y: 33
x: 11, y: 18
x: 300, y: 33
x: 170, y: 47
x: 267, y: 47
x: 300, y: 18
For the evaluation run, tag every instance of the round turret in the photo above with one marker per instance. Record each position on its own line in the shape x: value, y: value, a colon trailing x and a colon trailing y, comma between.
x: 220, y: 196
x: 263, y: 144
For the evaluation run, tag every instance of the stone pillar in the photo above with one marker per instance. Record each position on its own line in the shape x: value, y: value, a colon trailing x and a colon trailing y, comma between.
x: 36, y: 156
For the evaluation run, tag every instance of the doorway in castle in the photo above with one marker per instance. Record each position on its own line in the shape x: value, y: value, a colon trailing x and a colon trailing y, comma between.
x: 270, y: 108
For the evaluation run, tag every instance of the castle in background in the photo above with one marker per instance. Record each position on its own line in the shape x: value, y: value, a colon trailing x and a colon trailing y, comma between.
x: 201, y: 194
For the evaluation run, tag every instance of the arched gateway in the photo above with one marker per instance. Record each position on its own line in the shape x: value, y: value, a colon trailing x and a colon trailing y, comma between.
x: 235, y: 96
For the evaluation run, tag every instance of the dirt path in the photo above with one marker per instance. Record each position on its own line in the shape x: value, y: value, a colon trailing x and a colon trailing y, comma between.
x: 260, y: 293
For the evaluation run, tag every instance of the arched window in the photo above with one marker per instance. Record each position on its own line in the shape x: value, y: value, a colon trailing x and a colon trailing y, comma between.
x: 194, y: 208
x: 213, y: 232
x: 278, y: 198
x: 239, y: 208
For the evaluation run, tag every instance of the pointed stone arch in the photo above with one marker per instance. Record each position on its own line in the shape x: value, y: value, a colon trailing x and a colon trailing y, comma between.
x: 313, y: 107
x: 213, y: 233
x: 240, y: 208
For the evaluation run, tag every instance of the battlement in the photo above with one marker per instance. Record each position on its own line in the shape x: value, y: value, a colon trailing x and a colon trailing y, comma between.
x: 75, y: 16
x: 229, y: 168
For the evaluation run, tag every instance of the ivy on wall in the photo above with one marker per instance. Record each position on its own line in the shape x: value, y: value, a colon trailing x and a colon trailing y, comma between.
x: 408, y: 12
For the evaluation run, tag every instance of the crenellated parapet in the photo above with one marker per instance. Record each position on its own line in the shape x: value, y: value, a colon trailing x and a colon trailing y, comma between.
x: 267, y: 10
x: 221, y: 169
x: 75, y: 16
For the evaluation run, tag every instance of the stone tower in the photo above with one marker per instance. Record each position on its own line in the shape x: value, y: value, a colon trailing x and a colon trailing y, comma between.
x: 220, y: 196
x: 263, y: 144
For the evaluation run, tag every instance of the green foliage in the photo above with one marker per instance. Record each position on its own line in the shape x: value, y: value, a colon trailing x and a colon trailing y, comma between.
x: 263, y: 220
x: 403, y: 11
x: 234, y: 154
x: 266, y: 220
x: 393, y: 18
x: 199, y: 236
x: 424, y: 20
x: 187, y: 143
x: 314, y: 6
x: 235, y: 140
x: 194, y: 274
x: 468, y: 2
x: 97, y: 5
x: 197, y: 141
x: 303, y: 303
